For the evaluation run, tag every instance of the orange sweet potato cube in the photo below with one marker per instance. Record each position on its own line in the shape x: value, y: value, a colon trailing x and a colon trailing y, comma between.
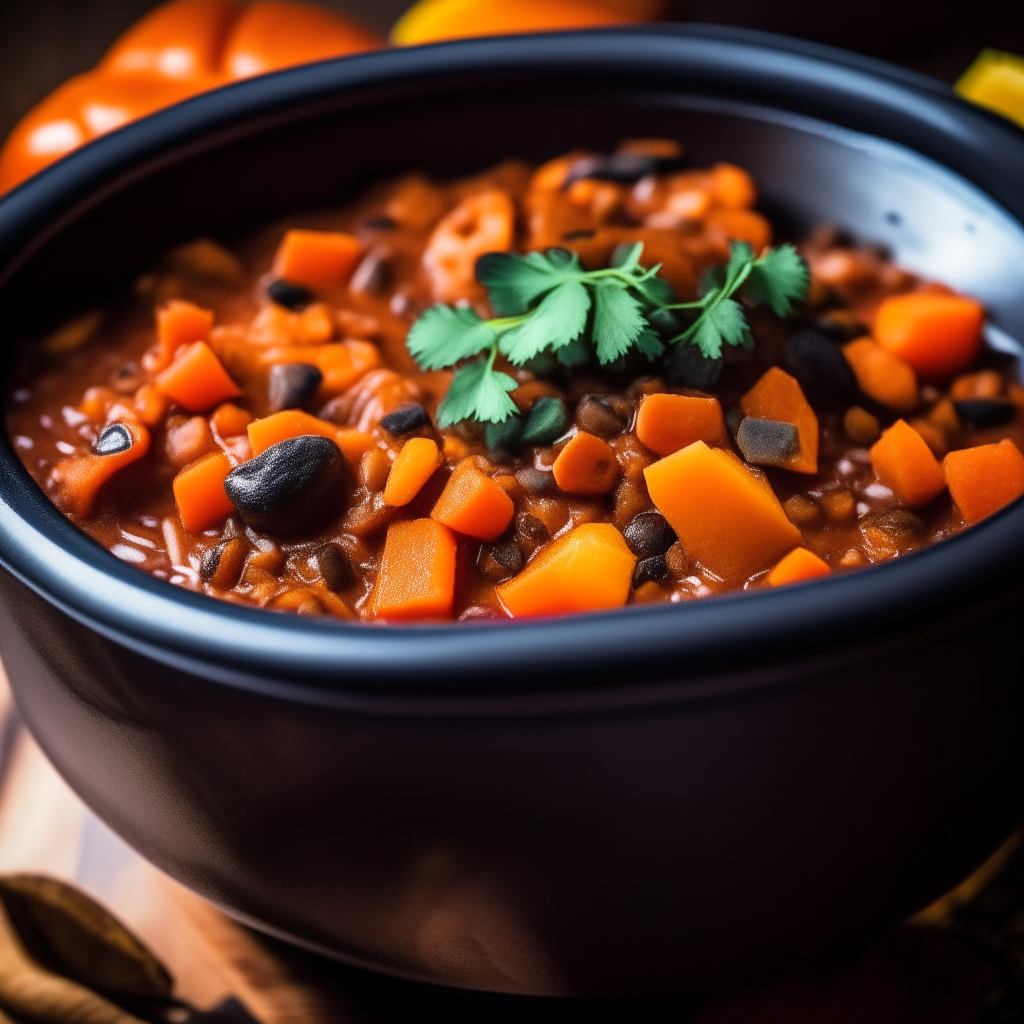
x: 588, y: 569
x: 727, y: 518
x: 416, y: 579
x: 906, y: 465
x: 985, y: 479
x: 778, y: 396
x: 666, y: 423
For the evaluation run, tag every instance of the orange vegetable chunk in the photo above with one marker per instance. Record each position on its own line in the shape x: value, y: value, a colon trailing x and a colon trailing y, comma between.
x: 343, y: 363
x: 778, y: 396
x: 733, y: 186
x: 588, y: 569
x: 416, y: 579
x: 290, y: 423
x: 229, y: 420
x: 741, y: 225
x: 666, y: 423
x: 884, y: 376
x: 199, y: 493
x: 179, y: 324
x: 197, y: 379
x: 985, y: 479
x: 317, y: 259
x: 175, y: 40
x: 727, y: 518
x: 799, y: 565
x: 586, y: 465
x: 473, y: 504
x: 938, y: 335
x: 77, y: 480
x: 272, y: 35
x: 906, y: 465
x: 415, y: 465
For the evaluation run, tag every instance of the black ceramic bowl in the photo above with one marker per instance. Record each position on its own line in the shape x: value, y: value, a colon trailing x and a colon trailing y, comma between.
x: 664, y: 798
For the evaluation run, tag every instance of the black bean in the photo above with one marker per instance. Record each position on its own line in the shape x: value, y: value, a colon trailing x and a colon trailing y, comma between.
x: 667, y: 324
x: 113, y: 440
x: 210, y: 562
x: 291, y: 296
x: 649, y: 570
x: 536, y: 481
x: 574, y: 236
x: 766, y: 442
x: 625, y: 167
x: 222, y: 564
x: 649, y: 534
x: 819, y: 367
x: 596, y: 414
x: 895, y: 521
x: 547, y: 421
x: 292, y: 385
x: 372, y: 276
x: 294, y: 487
x: 500, y: 561
x: 380, y: 222
x: 531, y: 528
x: 503, y: 438
x: 687, y: 367
x: 405, y: 420
x: 336, y: 568
x: 985, y: 412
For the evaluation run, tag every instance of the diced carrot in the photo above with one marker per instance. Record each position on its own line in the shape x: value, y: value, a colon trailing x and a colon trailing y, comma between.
x: 903, y: 462
x: 666, y: 423
x: 281, y: 425
x: 76, y: 481
x: 882, y: 375
x: 179, y: 324
x: 732, y: 186
x: 588, y: 569
x: 985, y: 479
x: 586, y: 465
x: 938, y: 335
x: 416, y: 579
x: 778, y: 396
x: 342, y: 364
x: 473, y: 504
x: 150, y: 404
x: 229, y: 420
x: 317, y: 259
x: 199, y: 493
x: 741, y: 226
x: 354, y: 444
x: 981, y: 384
x: 197, y: 379
x: 415, y: 465
x: 799, y: 565
x: 727, y: 518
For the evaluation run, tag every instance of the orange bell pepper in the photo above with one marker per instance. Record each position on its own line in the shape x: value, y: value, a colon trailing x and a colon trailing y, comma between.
x: 176, y: 51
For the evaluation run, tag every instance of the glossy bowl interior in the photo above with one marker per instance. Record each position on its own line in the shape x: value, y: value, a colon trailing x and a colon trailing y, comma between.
x: 558, y: 739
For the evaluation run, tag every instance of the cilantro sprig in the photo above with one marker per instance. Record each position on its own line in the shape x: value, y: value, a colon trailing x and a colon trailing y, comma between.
x: 548, y: 303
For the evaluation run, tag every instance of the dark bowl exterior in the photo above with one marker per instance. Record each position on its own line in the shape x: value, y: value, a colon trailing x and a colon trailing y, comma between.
x: 660, y: 799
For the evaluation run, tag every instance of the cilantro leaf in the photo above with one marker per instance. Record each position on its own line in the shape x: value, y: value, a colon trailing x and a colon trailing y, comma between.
x: 650, y: 344
x: 514, y: 282
x: 477, y: 391
x: 444, y: 335
x: 559, y: 319
x: 722, y: 322
x: 618, y: 320
x: 779, y: 278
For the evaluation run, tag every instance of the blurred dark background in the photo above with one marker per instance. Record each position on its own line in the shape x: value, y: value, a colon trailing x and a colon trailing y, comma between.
x: 42, y: 42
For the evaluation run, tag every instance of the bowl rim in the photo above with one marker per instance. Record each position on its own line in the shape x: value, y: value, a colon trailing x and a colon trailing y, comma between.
x: 575, y: 660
